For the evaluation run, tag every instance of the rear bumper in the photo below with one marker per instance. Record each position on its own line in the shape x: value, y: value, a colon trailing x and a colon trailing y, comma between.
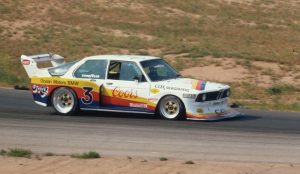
x: 230, y: 113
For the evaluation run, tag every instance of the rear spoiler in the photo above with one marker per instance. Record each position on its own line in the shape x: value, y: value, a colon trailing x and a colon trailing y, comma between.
x: 30, y: 63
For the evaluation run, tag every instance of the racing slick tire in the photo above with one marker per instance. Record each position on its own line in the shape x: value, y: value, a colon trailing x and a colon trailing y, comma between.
x: 64, y: 101
x: 171, y: 108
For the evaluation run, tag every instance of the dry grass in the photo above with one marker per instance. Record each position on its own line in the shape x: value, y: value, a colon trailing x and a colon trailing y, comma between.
x: 276, y: 97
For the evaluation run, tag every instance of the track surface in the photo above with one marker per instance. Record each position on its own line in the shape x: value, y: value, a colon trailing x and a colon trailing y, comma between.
x: 257, y: 137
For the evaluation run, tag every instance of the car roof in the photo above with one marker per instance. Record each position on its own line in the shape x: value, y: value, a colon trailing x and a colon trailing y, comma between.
x: 135, y: 58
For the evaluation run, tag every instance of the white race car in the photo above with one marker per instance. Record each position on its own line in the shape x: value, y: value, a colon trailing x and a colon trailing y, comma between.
x: 124, y: 83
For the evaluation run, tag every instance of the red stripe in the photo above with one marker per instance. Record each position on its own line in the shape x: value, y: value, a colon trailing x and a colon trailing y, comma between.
x: 114, y: 101
x: 152, y: 108
x: 206, y: 116
x: 96, y: 97
x: 199, y: 85
x: 121, y: 102
x: 117, y: 101
x: 193, y: 116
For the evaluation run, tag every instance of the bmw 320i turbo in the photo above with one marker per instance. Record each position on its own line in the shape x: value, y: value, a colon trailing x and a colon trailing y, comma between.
x: 124, y: 83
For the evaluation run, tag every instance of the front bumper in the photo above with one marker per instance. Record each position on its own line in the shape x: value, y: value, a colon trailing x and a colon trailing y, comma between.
x: 230, y: 113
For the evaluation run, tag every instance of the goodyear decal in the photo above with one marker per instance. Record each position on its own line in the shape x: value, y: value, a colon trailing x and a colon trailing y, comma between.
x: 199, y: 85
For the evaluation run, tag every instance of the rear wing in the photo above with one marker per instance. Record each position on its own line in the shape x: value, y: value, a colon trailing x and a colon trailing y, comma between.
x: 30, y: 63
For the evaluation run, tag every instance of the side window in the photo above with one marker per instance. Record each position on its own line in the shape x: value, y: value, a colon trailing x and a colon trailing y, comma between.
x: 92, y: 69
x: 128, y: 71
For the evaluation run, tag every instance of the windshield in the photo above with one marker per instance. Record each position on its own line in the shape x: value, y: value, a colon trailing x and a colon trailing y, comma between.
x: 158, y: 70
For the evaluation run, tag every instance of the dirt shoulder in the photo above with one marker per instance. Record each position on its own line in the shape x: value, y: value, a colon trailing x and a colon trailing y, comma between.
x: 254, y: 84
x: 107, y: 165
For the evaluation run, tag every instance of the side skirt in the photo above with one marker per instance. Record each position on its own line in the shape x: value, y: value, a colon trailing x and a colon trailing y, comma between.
x: 122, y: 111
x: 41, y: 103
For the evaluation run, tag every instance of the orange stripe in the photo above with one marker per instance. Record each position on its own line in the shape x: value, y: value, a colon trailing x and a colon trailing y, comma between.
x: 199, y: 85
x: 117, y: 101
x: 190, y: 115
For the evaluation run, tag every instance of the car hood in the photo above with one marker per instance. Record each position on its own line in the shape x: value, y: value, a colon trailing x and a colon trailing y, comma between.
x: 189, y: 85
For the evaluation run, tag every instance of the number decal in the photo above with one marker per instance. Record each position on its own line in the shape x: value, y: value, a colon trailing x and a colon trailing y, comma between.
x: 88, y: 97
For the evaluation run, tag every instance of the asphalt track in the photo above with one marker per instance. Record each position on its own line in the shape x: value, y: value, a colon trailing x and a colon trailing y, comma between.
x: 258, y: 136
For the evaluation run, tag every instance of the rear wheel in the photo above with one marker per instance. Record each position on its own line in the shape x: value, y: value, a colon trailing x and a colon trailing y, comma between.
x: 171, y: 108
x: 64, y: 101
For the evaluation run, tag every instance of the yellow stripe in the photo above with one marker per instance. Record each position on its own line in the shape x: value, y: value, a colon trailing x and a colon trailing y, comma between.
x: 64, y: 82
x: 194, y: 84
x: 208, y: 114
x: 80, y: 84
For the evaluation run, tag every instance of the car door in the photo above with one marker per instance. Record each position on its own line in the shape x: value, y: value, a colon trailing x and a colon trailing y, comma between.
x: 126, y: 87
x: 92, y: 71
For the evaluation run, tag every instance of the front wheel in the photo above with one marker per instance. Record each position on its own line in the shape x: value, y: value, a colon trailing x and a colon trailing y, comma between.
x: 64, y: 101
x: 171, y: 108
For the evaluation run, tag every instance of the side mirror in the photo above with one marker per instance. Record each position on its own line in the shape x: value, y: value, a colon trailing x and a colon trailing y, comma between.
x: 137, y: 79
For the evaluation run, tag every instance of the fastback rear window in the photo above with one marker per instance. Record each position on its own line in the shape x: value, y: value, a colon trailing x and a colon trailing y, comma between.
x: 61, y: 70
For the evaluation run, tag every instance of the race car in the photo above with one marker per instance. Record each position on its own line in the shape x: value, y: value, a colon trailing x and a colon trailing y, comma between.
x: 124, y: 83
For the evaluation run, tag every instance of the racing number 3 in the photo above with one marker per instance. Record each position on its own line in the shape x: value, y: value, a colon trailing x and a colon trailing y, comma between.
x: 88, y: 97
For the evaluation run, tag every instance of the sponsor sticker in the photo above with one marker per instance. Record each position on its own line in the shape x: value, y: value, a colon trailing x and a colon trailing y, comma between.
x: 26, y: 62
x: 160, y: 86
x: 193, y: 96
x: 153, y: 99
x: 171, y: 88
x: 59, y: 82
x: 92, y: 76
x: 41, y: 90
x: 117, y: 92
x: 220, y: 111
x: 199, y: 84
x: 200, y: 110
x: 220, y: 103
x: 154, y: 90
x: 138, y: 105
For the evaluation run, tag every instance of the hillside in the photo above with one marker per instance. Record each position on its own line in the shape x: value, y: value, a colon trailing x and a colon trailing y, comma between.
x: 253, y: 45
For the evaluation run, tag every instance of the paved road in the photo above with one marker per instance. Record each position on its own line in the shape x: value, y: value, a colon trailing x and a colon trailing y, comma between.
x: 258, y: 136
